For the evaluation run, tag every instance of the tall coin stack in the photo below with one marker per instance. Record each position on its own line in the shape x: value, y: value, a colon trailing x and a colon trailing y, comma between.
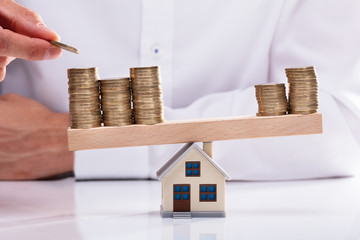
x: 84, y: 104
x: 147, y: 95
x: 116, y: 102
x: 303, y: 90
x: 271, y: 99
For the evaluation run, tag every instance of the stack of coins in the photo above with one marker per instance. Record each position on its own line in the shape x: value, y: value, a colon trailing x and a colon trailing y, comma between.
x: 116, y: 101
x: 271, y: 99
x: 84, y: 104
x: 303, y: 90
x: 147, y: 95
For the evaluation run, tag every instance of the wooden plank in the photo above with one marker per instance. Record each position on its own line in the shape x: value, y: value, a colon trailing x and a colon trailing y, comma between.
x: 201, y: 130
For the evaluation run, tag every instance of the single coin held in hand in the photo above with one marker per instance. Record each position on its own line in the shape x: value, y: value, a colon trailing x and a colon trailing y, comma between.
x: 65, y: 47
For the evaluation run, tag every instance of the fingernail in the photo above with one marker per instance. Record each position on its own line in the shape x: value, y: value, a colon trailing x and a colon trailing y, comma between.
x: 2, y: 73
x: 42, y: 25
x: 52, y: 53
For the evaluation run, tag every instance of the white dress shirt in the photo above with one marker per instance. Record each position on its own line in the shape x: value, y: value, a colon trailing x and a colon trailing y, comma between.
x: 211, y: 54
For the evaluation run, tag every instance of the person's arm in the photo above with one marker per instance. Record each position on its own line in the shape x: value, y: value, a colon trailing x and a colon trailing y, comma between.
x: 334, y: 153
x: 33, y: 140
x: 327, y: 37
x: 23, y: 35
x: 307, y: 34
x: 33, y: 143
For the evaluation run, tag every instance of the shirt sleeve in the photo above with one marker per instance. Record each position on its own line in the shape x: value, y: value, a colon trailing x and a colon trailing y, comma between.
x: 307, y: 34
x: 114, y: 163
x: 319, y: 33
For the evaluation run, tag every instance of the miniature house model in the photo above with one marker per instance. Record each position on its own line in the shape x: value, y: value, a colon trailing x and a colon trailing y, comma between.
x: 193, y: 185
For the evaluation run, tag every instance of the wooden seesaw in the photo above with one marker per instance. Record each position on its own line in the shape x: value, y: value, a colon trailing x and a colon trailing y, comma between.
x: 201, y: 130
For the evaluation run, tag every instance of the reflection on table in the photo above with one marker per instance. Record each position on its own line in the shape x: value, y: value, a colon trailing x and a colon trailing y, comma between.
x: 65, y: 209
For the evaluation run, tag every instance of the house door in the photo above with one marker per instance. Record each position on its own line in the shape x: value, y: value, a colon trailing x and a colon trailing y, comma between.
x: 181, y: 197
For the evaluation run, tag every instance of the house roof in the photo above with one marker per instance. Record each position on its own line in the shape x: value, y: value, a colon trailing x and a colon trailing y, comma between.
x: 180, y: 154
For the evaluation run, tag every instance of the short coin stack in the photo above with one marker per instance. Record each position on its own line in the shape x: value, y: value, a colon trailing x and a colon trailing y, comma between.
x: 84, y: 104
x: 303, y: 90
x: 146, y: 95
x: 271, y: 99
x: 116, y: 101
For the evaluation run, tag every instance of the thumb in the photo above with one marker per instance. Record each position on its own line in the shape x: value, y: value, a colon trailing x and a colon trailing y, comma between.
x: 24, y: 21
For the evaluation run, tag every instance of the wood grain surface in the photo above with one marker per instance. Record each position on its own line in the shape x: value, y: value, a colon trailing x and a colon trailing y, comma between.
x: 201, y: 130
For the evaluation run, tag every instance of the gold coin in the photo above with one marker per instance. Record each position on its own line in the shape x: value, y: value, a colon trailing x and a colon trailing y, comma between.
x: 65, y: 47
x: 84, y: 98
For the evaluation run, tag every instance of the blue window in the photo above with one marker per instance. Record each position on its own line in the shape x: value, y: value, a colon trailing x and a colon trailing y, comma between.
x: 177, y: 196
x: 192, y: 169
x: 207, y: 192
x: 212, y: 188
x: 182, y: 192
x: 203, y: 197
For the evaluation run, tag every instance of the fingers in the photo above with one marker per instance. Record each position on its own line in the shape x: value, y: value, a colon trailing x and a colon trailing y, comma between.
x: 23, y: 35
x: 19, y: 19
x: 2, y: 73
x: 4, y: 61
x: 20, y: 46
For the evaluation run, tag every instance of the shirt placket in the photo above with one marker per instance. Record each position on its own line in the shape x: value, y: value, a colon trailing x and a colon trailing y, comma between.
x: 157, y: 40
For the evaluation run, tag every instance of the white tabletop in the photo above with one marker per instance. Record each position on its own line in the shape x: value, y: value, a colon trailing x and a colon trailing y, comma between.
x: 65, y: 209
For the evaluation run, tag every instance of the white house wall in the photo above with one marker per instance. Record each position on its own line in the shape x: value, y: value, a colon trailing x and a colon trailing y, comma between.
x: 208, y: 175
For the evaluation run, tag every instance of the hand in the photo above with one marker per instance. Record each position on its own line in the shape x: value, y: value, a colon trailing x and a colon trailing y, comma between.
x: 33, y: 140
x: 23, y: 35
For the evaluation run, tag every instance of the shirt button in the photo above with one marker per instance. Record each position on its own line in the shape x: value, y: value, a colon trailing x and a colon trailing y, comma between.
x: 156, y: 51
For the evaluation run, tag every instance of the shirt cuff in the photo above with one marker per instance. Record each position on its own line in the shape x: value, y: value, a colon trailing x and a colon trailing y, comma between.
x: 115, y: 163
